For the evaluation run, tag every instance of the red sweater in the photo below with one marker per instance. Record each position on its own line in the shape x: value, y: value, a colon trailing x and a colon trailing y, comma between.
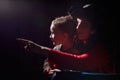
x: 95, y: 60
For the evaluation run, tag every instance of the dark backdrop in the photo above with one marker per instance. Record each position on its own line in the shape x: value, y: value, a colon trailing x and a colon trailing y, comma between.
x: 31, y: 20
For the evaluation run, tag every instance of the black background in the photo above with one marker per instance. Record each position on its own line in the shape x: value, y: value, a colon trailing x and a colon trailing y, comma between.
x: 31, y: 20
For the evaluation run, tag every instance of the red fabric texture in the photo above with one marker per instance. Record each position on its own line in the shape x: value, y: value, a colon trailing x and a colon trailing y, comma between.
x: 95, y: 60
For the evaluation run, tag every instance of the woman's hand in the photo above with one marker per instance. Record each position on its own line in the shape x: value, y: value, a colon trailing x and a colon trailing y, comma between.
x: 34, y: 47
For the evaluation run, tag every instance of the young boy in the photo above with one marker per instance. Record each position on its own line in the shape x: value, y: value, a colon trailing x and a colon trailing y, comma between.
x: 63, y: 33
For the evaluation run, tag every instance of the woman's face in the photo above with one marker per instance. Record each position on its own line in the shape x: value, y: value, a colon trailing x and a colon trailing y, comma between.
x: 83, y: 29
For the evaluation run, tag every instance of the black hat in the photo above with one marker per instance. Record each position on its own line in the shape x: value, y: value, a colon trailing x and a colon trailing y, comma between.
x: 83, y: 11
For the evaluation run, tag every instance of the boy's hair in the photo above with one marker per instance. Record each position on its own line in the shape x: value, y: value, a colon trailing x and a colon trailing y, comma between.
x: 66, y: 24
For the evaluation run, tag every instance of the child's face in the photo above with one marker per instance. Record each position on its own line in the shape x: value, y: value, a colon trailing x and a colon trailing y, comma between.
x: 56, y: 36
x: 83, y: 29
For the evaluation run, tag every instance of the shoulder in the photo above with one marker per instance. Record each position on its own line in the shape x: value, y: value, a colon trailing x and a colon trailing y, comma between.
x: 100, y: 50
